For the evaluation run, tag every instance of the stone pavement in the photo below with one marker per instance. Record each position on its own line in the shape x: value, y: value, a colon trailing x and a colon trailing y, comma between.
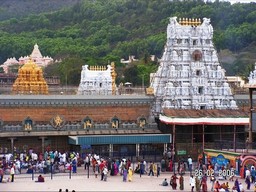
x: 81, y: 182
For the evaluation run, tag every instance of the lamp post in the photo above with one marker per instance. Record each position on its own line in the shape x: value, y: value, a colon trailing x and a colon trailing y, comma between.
x: 143, y: 84
x: 173, y: 147
x: 249, y: 145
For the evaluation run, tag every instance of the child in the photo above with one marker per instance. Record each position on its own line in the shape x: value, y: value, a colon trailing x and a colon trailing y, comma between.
x: 105, y: 172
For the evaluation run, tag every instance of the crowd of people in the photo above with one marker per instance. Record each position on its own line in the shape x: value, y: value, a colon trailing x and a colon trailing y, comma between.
x: 52, y: 161
x: 221, y: 177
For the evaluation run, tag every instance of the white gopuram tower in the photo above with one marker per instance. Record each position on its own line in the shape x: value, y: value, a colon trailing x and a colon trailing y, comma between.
x: 190, y: 75
x: 252, y: 77
x: 97, y: 80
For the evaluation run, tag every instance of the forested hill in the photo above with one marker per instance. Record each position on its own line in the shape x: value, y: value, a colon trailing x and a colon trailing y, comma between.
x: 98, y: 32
x: 22, y: 8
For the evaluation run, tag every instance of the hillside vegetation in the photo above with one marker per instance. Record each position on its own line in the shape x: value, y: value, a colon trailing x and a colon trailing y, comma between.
x: 21, y: 8
x: 97, y: 32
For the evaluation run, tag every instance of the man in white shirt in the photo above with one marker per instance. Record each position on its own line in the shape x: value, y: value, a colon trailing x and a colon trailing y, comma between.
x: 247, y: 173
x: 192, y: 182
x: 190, y: 162
x: 12, y: 172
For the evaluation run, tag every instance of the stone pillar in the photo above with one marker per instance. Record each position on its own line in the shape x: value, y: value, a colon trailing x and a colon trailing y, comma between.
x: 137, y: 150
x: 165, y: 148
x: 110, y: 150
x: 12, y: 144
x: 43, y: 143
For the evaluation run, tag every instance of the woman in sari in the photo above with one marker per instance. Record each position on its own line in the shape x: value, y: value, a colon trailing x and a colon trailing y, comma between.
x: 204, y: 184
x: 181, y: 181
x: 130, y: 173
x: 198, y: 186
x: 174, y: 182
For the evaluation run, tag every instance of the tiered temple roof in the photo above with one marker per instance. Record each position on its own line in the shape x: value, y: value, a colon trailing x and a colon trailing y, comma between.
x: 36, y: 56
x: 30, y: 80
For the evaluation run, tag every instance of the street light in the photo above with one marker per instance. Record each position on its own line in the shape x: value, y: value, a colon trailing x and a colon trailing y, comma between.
x: 143, y: 83
x: 173, y: 147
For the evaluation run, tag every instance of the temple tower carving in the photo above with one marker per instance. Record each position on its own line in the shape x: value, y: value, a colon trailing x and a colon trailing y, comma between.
x: 189, y: 75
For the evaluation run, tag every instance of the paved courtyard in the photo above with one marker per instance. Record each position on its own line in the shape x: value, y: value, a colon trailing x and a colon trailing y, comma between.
x: 81, y: 182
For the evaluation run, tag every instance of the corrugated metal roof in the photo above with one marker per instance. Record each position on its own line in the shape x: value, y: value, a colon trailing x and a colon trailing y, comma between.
x: 120, y: 139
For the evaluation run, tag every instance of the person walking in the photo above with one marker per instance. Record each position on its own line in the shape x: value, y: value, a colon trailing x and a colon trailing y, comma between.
x: 248, y: 182
x: 101, y: 166
x: 96, y: 169
x: 173, y: 181
x: 105, y: 173
x: 192, y: 183
x: 181, y: 181
x: 1, y: 173
x: 12, y: 172
x: 253, y: 173
x: 212, y: 179
x: 158, y: 170
x: 125, y: 175
x: 86, y: 162
x: 190, y: 163
x: 197, y: 181
x: 151, y: 169
x: 204, y: 183
x: 74, y: 165
x: 155, y: 169
x: 130, y: 174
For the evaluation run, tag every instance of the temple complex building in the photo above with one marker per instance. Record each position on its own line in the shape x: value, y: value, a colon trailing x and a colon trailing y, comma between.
x: 190, y: 108
x: 30, y: 80
x: 36, y: 56
x: 192, y: 98
x: 190, y: 75
x: 9, y: 63
x: 97, y: 80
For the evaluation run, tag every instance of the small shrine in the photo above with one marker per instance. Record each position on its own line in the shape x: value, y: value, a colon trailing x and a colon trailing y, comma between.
x: 30, y: 80
x: 98, y: 80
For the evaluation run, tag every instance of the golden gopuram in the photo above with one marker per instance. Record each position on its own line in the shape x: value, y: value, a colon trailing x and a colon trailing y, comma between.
x: 30, y: 80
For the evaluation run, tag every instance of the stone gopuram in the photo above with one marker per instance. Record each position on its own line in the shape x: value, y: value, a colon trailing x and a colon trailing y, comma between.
x: 252, y: 77
x: 98, y: 80
x: 30, y: 80
x: 190, y: 75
